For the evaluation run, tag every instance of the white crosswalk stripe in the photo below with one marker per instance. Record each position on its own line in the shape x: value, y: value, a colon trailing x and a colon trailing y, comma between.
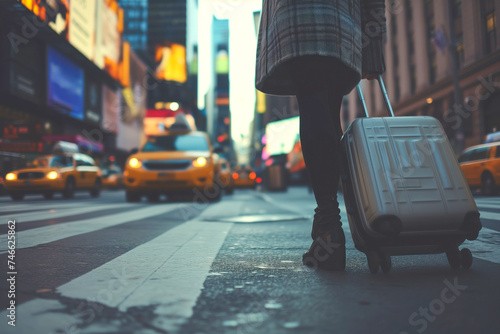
x: 15, y: 207
x: 58, y: 213
x: 46, y: 234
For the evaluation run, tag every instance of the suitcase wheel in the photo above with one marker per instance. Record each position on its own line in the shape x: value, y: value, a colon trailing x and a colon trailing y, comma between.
x: 453, y: 255
x: 385, y: 262
x: 373, y: 261
x: 466, y: 258
x: 457, y: 258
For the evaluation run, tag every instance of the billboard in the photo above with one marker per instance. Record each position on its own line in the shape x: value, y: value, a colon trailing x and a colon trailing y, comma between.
x: 26, y: 65
x: 171, y: 62
x: 65, y: 85
x: 112, y: 27
x: 82, y: 24
x: 54, y: 13
x: 94, y: 27
x: 134, y: 93
x: 282, y: 135
x: 110, y: 109
x: 93, y: 101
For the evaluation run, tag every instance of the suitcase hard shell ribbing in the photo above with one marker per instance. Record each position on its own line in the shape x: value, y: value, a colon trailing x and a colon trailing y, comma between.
x: 405, y: 192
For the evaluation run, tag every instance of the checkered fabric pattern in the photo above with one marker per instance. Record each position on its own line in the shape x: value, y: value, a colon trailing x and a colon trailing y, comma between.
x: 349, y: 31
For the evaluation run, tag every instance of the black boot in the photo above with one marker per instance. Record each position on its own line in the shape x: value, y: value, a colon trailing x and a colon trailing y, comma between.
x: 327, y: 251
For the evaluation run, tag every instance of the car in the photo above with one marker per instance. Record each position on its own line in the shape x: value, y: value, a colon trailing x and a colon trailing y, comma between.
x: 177, y: 162
x: 65, y: 173
x: 481, y: 167
x: 244, y: 177
x: 2, y: 186
x: 225, y: 178
x: 112, y: 177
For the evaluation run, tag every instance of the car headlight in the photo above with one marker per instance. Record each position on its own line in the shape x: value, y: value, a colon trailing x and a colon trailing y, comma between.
x: 200, y: 162
x: 135, y: 163
x: 53, y: 175
x: 10, y: 177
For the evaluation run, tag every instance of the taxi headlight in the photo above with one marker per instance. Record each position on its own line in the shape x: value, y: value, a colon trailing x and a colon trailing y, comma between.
x: 135, y: 163
x: 53, y: 175
x: 10, y: 177
x: 200, y: 162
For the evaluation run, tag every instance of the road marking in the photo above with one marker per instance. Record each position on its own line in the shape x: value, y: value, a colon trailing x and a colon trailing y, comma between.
x: 58, y: 213
x: 39, y: 206
x: 486, y: 245
x: 488, y: 206
x: 46, y: 234
x: 496, y: 200
x: 180, y: 259
x: 303, y: 211
x: 489, y: 215
x: 46, y: 316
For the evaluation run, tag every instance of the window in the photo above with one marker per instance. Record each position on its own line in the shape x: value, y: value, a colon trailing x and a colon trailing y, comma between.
x: 432, y: 66
x: 431, y: 49
x: 479, y: 153
x: 189, y: 142
x: 397, y: 91
x: 62, y: 161
x: 459, y: 36
x: 413, y: 79
x: 466, y: 157
x: 489, y: 25
x: 497, y: 153
x: 409, y: 11
x: 411, y: 45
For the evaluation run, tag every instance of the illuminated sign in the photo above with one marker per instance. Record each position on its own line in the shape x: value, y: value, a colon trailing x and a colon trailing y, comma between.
x: 222, y: 62
x: 111, y: 109
x: 65, y: 91
x: 281, y: 136
x: 54, y: 13
x: 171, y: 62
x: 94, y: 27
x: 82, y: 23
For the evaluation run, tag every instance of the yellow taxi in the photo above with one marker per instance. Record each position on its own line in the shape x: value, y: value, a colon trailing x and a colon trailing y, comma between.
x: 65, y: 173
x: 244, y: 177
x: 481, y: 167
x: 177, y: 162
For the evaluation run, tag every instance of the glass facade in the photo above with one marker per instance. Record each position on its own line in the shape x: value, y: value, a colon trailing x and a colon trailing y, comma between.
x: 489, y: 26
x: 135, y: 23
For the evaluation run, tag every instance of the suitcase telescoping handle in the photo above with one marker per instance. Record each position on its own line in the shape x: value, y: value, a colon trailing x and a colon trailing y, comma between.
x: 384, y: 93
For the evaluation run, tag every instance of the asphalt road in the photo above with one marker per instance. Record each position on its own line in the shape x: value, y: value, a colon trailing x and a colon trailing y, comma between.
x: 106, y: 266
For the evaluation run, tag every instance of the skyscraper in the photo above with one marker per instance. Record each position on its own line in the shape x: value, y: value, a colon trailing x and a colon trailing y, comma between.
x: 166, y: 22
x: 135, y: 23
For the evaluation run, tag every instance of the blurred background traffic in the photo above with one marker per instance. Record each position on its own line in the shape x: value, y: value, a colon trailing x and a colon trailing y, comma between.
x: 105, y: 78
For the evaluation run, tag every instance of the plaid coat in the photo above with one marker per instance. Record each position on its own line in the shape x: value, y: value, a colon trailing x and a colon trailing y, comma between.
x: 350, y: 32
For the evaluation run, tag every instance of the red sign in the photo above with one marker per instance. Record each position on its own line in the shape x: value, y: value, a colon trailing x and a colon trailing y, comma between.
x: 22, y: 147
x: 163, y: 112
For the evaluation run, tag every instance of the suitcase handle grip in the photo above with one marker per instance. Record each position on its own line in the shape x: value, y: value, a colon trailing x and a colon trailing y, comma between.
x: 384, y: 94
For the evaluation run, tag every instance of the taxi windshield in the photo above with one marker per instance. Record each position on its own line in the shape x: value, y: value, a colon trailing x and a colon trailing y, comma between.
x: 185, y: 142
x: 57, y: 161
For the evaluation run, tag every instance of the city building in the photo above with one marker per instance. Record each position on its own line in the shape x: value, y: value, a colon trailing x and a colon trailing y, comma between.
x: 70, y: 80
x: 167, y: 22
x: 135, y: 29
x: 419, y: 76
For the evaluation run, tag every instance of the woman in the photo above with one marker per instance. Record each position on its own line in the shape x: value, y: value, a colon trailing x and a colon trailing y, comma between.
x: 318, y: 50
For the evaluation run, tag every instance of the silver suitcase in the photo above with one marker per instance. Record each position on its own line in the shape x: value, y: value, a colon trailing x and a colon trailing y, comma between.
x: 404, y: 190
